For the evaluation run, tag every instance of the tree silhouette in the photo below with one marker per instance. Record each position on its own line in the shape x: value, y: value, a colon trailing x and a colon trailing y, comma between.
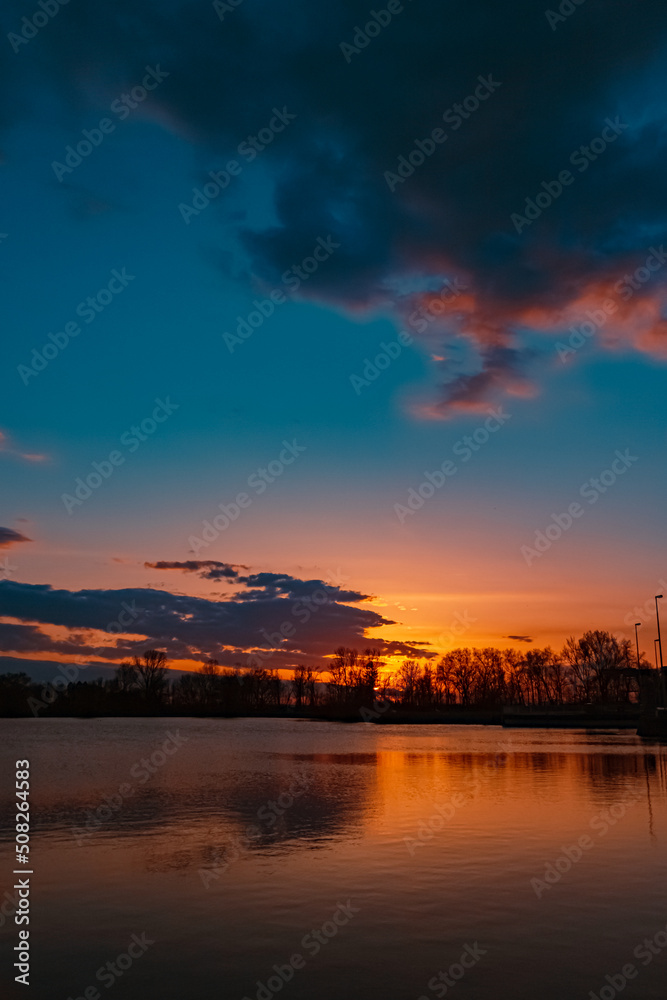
x: 151, y: 674
x: 126, y: 677
x: 595, y: 669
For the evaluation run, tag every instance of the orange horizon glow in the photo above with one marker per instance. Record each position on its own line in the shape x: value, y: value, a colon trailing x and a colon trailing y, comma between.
x: 459, y: 589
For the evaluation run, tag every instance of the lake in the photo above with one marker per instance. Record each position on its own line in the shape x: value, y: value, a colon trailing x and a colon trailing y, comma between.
x: 262, y: 857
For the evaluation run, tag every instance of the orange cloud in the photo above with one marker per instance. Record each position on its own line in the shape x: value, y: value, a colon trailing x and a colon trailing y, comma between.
x: 622, y: 306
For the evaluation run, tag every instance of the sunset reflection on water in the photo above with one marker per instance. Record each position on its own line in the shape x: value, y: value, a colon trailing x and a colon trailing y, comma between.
x: 439, y: 836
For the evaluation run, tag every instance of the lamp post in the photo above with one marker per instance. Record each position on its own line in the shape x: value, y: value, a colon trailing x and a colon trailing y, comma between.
x: 663, y: 679
x: 637, y: 624
x: 657, y: 616
x: 655, y: 650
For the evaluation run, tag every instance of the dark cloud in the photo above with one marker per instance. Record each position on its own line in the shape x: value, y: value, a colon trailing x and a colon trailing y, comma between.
x: 32, y: 639
x: 207, y: 569
x: 10, y: 537
x: 261, y: 586
x: 28, y: 639
x: 315, y: 623
x: 279, y: 584
x: 554, y: 87
x: 520, y: 638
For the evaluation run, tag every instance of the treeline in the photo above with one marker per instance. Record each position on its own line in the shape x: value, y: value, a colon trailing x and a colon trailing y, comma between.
x: 595, y: 669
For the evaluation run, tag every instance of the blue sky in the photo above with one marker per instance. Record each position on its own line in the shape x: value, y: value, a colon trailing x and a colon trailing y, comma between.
x: 321, y: 178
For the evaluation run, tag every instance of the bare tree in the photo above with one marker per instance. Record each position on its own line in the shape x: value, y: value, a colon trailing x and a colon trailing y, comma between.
x: 463, y: 674
x: 152, y: 672
x: 126, y: 677
x: 408, y: 678
x: 298, y: 684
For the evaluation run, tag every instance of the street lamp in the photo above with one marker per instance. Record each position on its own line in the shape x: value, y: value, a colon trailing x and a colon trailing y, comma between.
x: 657, y: 598
x: 637, y: 624
x: 655, y: 650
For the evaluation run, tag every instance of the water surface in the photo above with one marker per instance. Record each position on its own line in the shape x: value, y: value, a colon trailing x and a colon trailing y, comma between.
x: 419, y: 841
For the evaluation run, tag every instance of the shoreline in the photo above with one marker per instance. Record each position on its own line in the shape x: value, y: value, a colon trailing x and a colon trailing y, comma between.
x: 502, y: 718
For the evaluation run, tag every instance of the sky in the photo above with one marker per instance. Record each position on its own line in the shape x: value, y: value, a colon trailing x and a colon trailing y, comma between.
x: 329, y: 326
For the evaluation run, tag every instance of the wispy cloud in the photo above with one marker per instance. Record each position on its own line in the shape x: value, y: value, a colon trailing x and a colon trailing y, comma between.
x: 9, y: 451
x: 207, y: 569
x: 10, y: 537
